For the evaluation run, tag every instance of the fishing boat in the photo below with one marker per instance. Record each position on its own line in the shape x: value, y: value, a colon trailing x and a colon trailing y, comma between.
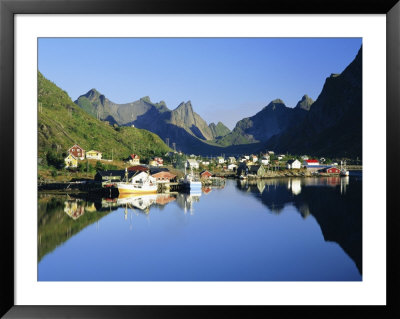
x: 141, y: 183
x: 343, y: 170
x: 191, y: 182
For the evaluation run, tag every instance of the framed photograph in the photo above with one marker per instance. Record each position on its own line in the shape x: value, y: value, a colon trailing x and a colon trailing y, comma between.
x: 171, y: 158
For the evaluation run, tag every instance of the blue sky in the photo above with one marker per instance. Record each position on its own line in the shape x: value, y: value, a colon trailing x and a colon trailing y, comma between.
x: 226, y: 79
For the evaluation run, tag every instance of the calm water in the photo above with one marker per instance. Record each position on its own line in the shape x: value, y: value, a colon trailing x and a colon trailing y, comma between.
x: 273, y: 230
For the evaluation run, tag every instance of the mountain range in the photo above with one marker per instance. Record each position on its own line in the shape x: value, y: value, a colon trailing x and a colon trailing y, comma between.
x: 61, y: 124
x: 330, y: 126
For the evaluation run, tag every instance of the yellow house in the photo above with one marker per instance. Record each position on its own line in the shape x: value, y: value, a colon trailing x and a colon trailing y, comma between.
x: 94, y: 154
x: 153, y: 163
x: 71, y: 161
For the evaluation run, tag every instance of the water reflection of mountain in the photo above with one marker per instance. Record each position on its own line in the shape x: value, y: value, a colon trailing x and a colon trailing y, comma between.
x: 61, y: 217
x: 335, y: 203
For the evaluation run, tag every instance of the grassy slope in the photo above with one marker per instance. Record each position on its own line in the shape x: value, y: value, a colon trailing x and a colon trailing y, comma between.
x: 62, y: 123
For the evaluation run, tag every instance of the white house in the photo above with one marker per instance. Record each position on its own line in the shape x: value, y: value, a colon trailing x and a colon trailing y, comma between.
x: 293, y: 164
x: 246, y: 157
x: 134, y: 159
x: 221, y: 160
x: 192, y: 163
x: 232, y: 167
x: 205, y: 163
x: 265, y: 161
x: 254, y: 158
x: 232, y: 159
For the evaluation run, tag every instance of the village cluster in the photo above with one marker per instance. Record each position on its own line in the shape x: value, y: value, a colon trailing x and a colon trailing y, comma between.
x: 240, y: 166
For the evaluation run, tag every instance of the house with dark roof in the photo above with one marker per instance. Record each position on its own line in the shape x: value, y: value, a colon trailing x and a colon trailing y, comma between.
x: 257, y: 170
x: 111, y: 176
x: 293, y: 164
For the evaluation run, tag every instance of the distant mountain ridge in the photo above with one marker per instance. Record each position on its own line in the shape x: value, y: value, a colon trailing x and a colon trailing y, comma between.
x: 330, y: 126
x: 179, y: 125
x: 271, y: 120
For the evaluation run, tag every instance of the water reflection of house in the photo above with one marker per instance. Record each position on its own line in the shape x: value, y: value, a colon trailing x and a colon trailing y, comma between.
x: 164, y: 199
x: 90, y: 207
x: 206, y: 190
x: 74, y: 209
x: 295, y: 186
x: 260, y: 186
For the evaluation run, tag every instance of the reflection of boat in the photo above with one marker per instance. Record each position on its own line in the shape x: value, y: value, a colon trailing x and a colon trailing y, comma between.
x: 140, y: 201
x: 185, y: 201
x: 139, y: 184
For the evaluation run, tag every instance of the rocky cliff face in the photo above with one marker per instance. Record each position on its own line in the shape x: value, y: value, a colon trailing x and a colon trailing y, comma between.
x: 333, y: 126
x: 219, y: 130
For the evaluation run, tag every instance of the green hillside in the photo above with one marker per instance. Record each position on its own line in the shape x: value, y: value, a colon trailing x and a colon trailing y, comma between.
x: 61, y: 124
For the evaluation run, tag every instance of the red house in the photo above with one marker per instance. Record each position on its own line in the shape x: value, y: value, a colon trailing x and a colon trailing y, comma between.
x: 159, y: 160
x: 205, y: 174
x: 77, y: 151
x: 332, y: 170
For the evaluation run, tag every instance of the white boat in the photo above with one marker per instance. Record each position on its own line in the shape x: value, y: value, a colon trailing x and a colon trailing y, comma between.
x: 141, y: 183
x: 343, y: 170
x: 191, y: 182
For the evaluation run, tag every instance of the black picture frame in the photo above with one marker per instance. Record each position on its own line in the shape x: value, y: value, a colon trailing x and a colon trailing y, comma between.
x: 9, y: 8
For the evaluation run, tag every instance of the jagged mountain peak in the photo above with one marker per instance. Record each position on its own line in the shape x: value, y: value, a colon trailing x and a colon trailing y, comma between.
x: 305, y: 103
x: 277, y: 101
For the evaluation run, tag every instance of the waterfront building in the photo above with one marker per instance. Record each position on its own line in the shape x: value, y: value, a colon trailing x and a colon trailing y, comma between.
x: 232, y: 167
x: 205, y: 174
x: 293, y: 164
x: 330, y: 170
x: 310, y: 162
x: 257, y: 170
x: 164, y: 177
